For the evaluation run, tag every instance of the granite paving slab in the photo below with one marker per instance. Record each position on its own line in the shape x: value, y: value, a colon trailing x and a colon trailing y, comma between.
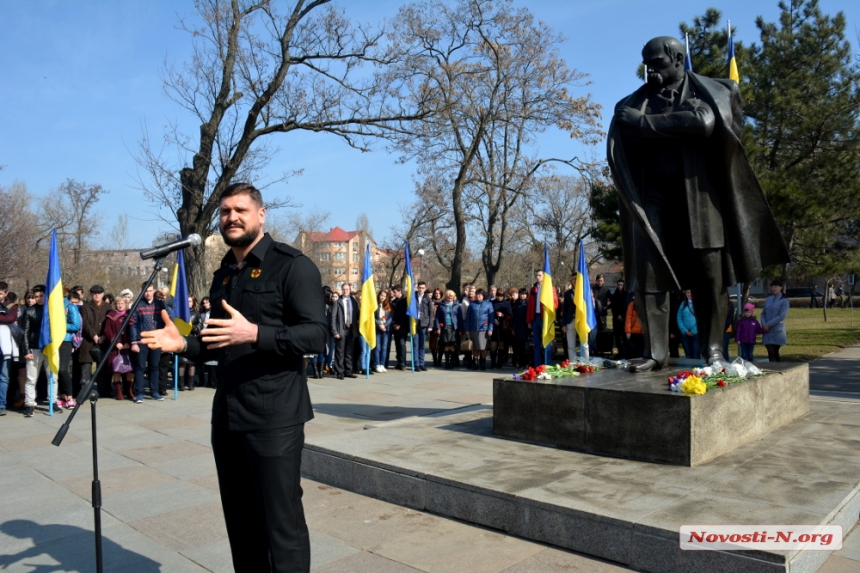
x: 806, y: 473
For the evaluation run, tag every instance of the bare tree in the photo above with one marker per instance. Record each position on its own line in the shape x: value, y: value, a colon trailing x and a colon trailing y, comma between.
x: 494, y: 73
x: 71, y: 210
x: 255, y: 72
x: 24, y: 255
x: 119, y: 233
x: 558, y: 214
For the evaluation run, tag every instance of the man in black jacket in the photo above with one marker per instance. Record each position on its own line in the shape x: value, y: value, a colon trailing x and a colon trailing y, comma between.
x: 400, y: 326
x: 267, y: 312
x: 618, y: 306
x: 30, y: 321
x: 344, y: 328
x: 423, y: 326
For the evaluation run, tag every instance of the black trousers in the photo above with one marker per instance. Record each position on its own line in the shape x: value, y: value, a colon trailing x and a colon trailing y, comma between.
x: 343, y: 347
x: 64, y: 377
x: 399, y: 337
x: 259, y: 474
x: 165, y: 365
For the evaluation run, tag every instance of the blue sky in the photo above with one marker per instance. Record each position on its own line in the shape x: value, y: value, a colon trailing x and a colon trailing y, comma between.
x: 81, y: 80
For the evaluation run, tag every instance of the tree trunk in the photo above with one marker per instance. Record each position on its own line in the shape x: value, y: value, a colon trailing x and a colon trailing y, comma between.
x: 460, y: 236
x: 191, y: 219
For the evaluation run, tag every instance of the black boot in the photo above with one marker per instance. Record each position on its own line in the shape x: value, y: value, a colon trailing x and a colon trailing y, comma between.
x: 483, y: 363
x: 318, y: 370
x: 448, y: 360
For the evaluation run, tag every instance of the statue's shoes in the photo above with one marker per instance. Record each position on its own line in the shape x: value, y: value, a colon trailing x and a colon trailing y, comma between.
x: 715, y: 357
x: 646, y: 366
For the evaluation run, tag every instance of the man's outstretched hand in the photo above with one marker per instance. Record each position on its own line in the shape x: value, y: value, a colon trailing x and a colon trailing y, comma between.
x: 167, y: 339
x: 231, y: 331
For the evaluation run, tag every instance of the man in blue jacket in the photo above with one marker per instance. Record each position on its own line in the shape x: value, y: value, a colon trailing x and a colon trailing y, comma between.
x: 146, y: 317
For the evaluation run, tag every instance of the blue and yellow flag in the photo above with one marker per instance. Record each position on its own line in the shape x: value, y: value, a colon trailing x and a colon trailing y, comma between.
x: 179, y: 289
x: 688, y: 63
x: 585, y: 321
x: 409, y: 293
x: 369, y: 303
x: 54, y: 316
x: 733, y: 63
x: 547, y: 301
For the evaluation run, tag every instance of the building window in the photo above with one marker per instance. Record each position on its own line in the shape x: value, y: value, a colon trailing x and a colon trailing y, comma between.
x: 355, y: 257
x: 355, y: 246
x: 355, y: 286
x: 339, y: 271
x: 355, y: 272
x: 325, y: 256
x: 340, y: 256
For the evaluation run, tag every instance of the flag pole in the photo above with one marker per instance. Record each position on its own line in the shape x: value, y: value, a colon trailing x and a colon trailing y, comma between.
x: 411, y: 349
x: 366, y: 358
x: 50, y: 392
x: 176, y: 376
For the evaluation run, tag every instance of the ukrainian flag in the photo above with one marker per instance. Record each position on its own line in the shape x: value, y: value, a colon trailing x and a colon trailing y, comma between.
x: 179, y: 290
x: 54, y: 315
x: 585, y: 321
x: 369, y: 304
x: 547, y: 301
x: 733, y: 63
x: 409, y: 287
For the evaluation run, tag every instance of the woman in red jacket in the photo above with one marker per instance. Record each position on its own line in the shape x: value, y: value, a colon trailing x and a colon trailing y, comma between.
x: 119, y: 360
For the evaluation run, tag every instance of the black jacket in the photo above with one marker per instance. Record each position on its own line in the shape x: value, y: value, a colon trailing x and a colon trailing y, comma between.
x: 401, y: 319
x: 30, y: 321
x: 264, y: 385
x: 337, y: 318
x: 426, y: 311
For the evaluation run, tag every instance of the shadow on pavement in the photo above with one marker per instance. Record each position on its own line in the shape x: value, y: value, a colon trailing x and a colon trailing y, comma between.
x: 66, y: 548
x: 370, y: 412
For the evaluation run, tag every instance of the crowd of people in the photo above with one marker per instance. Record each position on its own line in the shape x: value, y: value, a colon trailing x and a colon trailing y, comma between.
x: 464, y: 330
x: 91, y: 324
x: 458, y: 330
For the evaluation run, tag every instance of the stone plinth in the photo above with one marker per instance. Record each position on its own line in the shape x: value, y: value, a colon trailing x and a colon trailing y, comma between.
x: 634, y: 416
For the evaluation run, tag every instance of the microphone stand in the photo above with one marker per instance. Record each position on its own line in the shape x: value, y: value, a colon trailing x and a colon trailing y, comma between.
x: 88, y: 393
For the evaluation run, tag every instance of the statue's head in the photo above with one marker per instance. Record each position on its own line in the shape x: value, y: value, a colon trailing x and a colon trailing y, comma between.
x: 664, y: 61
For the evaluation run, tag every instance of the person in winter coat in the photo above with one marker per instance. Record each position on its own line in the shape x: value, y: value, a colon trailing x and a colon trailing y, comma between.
x: 635, y: 344
x: 448, y: 325
x: 521, y: 329
x: 66, y: 398
x: 187, y: 368
x: 502, y: 313
x: 687, y: 325
x: 123, y: 374
x: 773, y: 321
x: 745, y: 332
x: 479, y: 325
x: 384, y: 320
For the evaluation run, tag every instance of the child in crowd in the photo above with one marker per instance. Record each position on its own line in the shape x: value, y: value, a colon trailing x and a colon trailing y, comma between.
x: 747, y: 329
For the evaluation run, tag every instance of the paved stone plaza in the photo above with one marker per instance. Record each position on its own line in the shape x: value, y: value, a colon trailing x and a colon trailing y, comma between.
x: 161, y: 508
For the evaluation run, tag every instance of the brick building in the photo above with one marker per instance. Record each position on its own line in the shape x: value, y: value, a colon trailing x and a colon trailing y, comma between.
x: 339, y: 254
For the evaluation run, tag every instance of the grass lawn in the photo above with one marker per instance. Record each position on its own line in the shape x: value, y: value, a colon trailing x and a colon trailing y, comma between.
x: 809, y: 337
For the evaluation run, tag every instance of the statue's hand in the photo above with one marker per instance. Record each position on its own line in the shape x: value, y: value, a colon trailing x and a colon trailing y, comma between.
x: 628, y: 115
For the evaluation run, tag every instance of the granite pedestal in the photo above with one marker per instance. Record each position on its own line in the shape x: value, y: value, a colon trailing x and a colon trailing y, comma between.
x: 634, y: 416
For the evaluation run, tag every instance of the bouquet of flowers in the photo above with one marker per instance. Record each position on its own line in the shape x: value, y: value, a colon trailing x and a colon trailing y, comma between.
x: 562, y: 370
x: 700, y: 380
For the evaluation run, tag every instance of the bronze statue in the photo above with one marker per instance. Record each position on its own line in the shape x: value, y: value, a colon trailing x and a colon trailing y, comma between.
x: 693, y: 215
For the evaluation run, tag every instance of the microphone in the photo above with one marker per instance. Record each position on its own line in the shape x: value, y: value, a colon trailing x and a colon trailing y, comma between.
x: 190, y: 241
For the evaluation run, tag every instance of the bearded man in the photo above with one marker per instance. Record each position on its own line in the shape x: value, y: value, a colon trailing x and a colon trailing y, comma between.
x: 693, y: 215
x: 267, y: 312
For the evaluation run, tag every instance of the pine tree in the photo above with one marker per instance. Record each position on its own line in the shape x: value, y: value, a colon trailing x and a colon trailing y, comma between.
x: 803, y: 100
